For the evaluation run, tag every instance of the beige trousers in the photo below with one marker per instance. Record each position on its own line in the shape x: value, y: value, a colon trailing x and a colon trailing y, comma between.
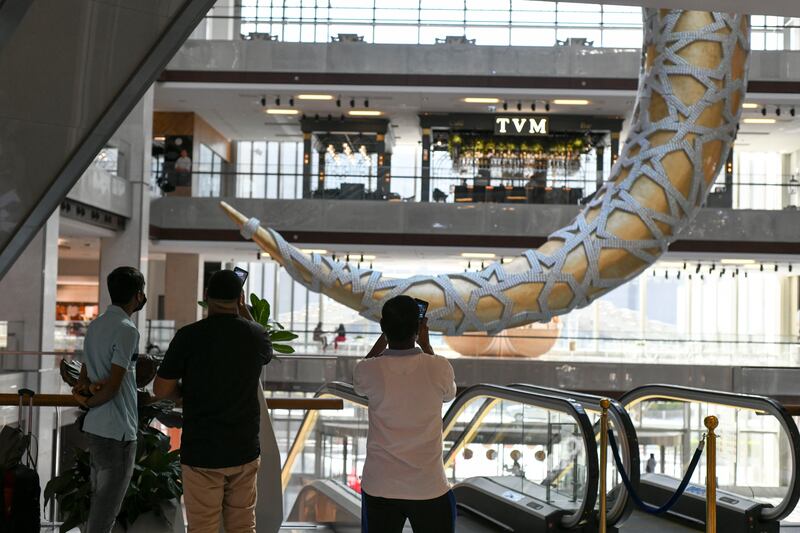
x: 226, y: 493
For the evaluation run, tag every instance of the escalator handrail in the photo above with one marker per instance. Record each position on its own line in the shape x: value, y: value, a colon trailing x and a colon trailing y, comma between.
x: 624, y: 505
x: 733, y: 399
x: 553, y: 403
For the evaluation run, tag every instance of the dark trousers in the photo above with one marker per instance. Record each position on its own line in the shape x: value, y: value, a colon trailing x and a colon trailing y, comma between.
x: 386, y: 515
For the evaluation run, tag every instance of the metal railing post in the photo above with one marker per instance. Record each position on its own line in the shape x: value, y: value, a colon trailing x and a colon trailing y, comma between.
x: 604, y: 404
x: 711, y: 423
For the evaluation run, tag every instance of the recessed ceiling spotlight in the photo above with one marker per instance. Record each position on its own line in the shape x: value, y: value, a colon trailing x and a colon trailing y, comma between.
x: 792, y: 112
x: 291, y: 102
x: 263, y: 101
x: 278, y: 101
x: 519, y: 106
x: 352, y: 102
x: 505, y: 106
x: 533, y: 107
x: 338, y: 102
x: 547, y: 106
x: 764, y: 111
x: 366, y: 103
x: 777, y: 111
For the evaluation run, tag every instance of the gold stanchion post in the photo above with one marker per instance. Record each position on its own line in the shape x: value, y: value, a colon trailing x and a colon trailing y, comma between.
x: 711, y: 423
x: 604, y: 404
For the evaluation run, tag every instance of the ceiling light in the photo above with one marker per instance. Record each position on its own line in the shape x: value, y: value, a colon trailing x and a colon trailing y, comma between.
x: 778, y: 111
x: 533, y: 107
x: 505, y: 106
x: 561, y: 101
x: 519, y: 106
x: 263, y: 101
x: 338, y: 102
x: 764, y: 111
x: 313, y: 251
x: 547, y: 106
x: 481, y: 100
x: 314, y: 97
x: 282, y: 111
x: 278, y: 101
x: 478, y: 255
x: 738, y: 261
x: 792, y: 112
x: 352, y: 102
x: 367, y: 257
x: 264, y: 256
x: 749, y: 105
x: 759, y: 121
x: 366, y: 103
x: 291, y: 102
x: 160, y: 138
x: 364, y: 113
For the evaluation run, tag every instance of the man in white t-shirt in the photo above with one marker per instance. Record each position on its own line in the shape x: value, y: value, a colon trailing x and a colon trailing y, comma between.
x: 406, y: 385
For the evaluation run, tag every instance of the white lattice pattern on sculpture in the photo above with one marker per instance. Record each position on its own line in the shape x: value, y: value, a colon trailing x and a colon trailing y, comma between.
x: 675, y: 148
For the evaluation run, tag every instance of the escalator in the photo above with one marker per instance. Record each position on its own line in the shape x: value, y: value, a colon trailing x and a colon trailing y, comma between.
x: 737, y: 507
x: 757, y: 488
x: 518, y: 461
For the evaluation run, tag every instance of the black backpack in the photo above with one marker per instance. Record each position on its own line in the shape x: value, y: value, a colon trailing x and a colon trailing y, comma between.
x: 20, y: 494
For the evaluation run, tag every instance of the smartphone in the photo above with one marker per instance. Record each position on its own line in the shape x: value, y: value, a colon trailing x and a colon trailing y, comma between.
x: 241, y: 274
x: 423, y: 307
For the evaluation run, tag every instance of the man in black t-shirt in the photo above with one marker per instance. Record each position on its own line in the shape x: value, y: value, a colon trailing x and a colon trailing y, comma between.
x: 218, y: 361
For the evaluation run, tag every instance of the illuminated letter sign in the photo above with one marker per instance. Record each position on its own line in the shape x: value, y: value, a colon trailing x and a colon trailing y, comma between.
x: 521, y: 125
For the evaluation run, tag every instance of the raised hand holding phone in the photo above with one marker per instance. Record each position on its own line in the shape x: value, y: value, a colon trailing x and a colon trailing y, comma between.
x: 423, y: 338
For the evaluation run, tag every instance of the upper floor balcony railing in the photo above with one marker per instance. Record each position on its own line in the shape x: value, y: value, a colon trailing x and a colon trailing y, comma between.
x: 744, y: 191
x: 499, y: 23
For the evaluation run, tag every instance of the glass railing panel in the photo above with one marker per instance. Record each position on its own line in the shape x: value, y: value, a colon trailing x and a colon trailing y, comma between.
x: 755, y: 456
x: 334, y: 447
x: 531, y: 450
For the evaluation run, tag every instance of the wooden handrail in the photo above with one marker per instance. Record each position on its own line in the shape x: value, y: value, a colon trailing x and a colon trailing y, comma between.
x: 66, y: 400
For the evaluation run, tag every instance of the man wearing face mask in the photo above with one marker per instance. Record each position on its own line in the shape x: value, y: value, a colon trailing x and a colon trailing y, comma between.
x: 107, y: 389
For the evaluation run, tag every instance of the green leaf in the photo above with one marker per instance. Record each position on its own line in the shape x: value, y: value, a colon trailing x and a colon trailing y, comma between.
x: 282, y: 348
x: 278, y: 324
x: 282, y: 335
x: 202, y: 304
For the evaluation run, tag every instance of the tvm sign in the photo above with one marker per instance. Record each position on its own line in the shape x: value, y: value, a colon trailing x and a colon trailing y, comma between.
x: 518, y: 125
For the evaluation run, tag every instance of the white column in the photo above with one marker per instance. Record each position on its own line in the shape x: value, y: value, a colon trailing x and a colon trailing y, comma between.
x: 130, y: 246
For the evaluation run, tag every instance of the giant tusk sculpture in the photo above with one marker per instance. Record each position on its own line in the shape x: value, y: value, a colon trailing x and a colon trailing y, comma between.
x: 691, y: 89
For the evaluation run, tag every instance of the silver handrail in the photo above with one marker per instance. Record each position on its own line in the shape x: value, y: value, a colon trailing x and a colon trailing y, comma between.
x: 744, y: 401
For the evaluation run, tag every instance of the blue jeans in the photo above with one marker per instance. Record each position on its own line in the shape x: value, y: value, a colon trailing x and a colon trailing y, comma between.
x: 111, y: 471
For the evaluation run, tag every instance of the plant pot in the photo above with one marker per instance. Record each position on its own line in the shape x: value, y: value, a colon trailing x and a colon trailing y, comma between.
x: 151, y: 523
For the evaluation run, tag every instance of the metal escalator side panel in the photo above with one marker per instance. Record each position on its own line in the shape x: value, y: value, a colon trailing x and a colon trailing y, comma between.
x: 94, y: 62
x: 327, y: 502
x: 751, y: 402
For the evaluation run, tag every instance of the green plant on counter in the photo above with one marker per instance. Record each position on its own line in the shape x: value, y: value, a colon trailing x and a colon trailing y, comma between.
x: 261, y: 314
x: 156, y: 477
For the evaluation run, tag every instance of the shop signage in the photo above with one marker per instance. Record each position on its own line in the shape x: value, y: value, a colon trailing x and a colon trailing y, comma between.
x: 521, y: 125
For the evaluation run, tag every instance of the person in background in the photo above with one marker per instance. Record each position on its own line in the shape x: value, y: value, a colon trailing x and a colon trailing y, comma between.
x: 650, y: 467
x: 319, y: 336
x: 219, y: 360
x: 107, y: 389
x: 341, y: 336
x: 406, y: 385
